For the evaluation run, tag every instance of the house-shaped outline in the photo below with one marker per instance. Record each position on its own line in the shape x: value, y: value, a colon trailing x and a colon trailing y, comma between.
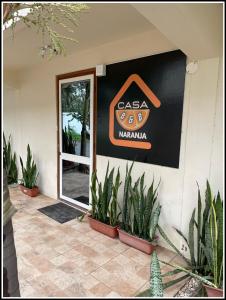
x: 149, y: 94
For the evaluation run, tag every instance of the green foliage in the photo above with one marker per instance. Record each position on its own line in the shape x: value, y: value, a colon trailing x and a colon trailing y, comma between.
x: 207, y: 255
x: 29, y: 172
x: 9, y: 161
x: 156, y: 286
x: 104, y: 198
x: 140, y: 215
x: 68, y: 142
x: 113, y: 207
x: 45, y: 17
x: 213, y: 247
x: 126, y: 204
x: 203, y: 279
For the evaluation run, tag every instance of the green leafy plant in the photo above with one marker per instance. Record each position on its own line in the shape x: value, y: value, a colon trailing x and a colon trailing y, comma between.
x: 29, y: 172
x: 113, y: 207
x: 69, y: 142
x: 156, y: 285
x: 9, y: 161
x: 126, y: 204
x: 206, y: 258
x: 140, y: 214
x: 213, y: 246
x: 104, y: 198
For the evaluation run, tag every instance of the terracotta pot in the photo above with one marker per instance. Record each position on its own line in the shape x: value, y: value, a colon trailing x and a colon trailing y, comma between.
x: 213, y: 292
x: 103, y: 228
x: 135, y: 242
x: 29, y: 192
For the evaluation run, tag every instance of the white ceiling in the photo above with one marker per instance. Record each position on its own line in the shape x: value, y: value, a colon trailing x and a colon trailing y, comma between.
x: 196, y: 29
x: 101, y: 24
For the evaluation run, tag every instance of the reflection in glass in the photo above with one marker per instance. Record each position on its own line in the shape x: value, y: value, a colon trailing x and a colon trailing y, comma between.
x: 75, y: 101
x: 75, y: 181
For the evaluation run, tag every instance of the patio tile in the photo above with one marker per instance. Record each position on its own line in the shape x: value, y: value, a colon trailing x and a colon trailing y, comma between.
x: 72, y: 260
x: 75, y: 289
x: 113, y: 294
x: 89, y: 267
x: 59, y: 260
x: 125, y: 273
x: 120, y: 247
x: 69, y: 267
x: 42, y: 284
x: 164, y: 254
x: 144, y: 272
x: 71, y: 253
x: 85, y: 250
x: 88, y: 282
x: 106, y: 277
x: 143, y: 288
x: 39, y: 262
x: 100, y: 290
x: 60, y: 278
x: 124, y: 289
x: 104, y: 257
x: 138, y: 256
x: 63, y: 248
x: 178, y: 260
x: 30, y: 291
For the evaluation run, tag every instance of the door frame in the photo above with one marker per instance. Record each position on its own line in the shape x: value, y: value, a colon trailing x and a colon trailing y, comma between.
x: 80, y: 73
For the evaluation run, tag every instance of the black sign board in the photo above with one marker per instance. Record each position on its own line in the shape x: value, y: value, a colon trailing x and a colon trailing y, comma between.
x: 139, y: 109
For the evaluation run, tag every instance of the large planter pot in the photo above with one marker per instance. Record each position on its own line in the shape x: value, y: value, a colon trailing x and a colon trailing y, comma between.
x: 29, y: 192
x: 213, y: 292
x: 103, y: 228
x: 135, y: 242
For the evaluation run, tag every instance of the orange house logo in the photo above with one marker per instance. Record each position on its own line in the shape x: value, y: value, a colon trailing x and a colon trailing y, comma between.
x: 131, y: 117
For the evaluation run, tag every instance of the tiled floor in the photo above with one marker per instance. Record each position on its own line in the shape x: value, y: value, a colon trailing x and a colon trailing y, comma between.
x: 72, y: 260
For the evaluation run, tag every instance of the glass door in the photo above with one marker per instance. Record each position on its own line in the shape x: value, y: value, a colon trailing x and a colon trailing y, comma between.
x: 76, y: 139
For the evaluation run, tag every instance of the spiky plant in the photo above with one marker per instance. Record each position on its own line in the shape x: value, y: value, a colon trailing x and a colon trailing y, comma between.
x: 140, y: 216
x: 156, y: 285
x: 68, y: 141
x: 113, y: 207
x: 30, y: 173
x: 206, y: 259
x: 9, y: 161
x: 126, y: 203
x: 104, y: 197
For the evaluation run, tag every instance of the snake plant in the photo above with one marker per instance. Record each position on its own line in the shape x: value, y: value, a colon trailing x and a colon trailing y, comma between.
x: 104, y: 197
x: 206, y: 257
x: 156, y: 285
x: 68, y: 141
x: 9, y: 161
x: 30, y: 173
x: 140, y: 215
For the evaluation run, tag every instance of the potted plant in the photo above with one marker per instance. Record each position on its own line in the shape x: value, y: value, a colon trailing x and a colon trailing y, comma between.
x: 9, y: 162
x: 30, y: 174
x: 104, y: 214
x: 206, y: 259
x: 213, y: 247
x: 140, y: 215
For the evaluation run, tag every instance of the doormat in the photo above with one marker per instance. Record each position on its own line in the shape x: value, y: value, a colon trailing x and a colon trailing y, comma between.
x: 82, y: 199
x: 61, y: 212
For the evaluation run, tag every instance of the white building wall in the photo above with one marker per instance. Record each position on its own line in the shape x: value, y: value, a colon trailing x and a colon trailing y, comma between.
x: 30, y: 116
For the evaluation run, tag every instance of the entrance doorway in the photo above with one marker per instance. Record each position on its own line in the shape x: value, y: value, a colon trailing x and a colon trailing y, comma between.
x: 76, y: 137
